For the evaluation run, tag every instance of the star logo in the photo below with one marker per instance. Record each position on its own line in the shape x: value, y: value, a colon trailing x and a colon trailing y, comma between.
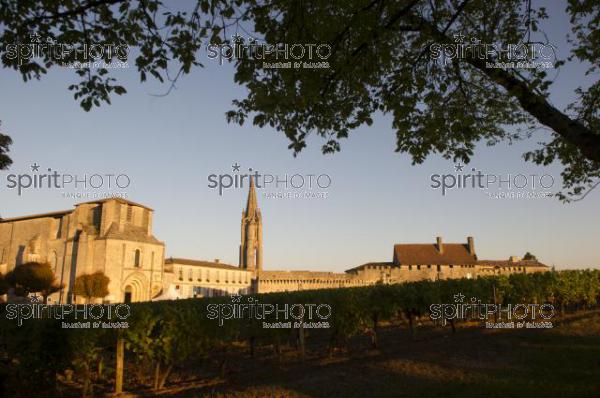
x: 459, y: 298
x: 34, y: 298
x: 459, y: 167
x: 35, y: 38
x: 459, y: 37
x: 35, y: 167
x: 235, y: 167
x: 236, y: 298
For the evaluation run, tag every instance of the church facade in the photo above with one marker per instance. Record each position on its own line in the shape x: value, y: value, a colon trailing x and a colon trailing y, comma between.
x: 115, y: 236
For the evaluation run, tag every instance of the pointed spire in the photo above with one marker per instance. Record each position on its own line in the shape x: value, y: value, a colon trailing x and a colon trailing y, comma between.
x: 252, y: 204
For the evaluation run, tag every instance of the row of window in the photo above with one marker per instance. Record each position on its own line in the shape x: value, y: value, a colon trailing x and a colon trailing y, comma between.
x: 309, y: 281
x: 419, y: 266
x: 215, y: 275
x: 202, y: 291
x: 505, y: 269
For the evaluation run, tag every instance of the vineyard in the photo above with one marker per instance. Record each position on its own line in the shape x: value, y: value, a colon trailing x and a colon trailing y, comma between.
x: 164, y: 338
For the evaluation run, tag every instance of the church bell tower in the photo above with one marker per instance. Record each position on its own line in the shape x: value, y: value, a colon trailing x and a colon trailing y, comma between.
x: 251, y: 242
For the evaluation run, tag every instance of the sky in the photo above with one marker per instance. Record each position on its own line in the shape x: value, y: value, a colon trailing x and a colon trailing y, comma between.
x: 169, y: 145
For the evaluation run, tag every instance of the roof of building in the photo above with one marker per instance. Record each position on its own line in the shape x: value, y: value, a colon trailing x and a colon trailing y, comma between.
x: 428, y: 253
x: 299, y: 274
x: 65, y: 212
x: 120, y: 200
x: 202, y: 263
x: 512, y: 263
x: 371, y: 264
x: 129, y: 232
x: 41, y: 215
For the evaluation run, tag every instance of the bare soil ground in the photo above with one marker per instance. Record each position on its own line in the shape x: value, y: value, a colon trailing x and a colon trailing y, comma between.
x: 473, y: 362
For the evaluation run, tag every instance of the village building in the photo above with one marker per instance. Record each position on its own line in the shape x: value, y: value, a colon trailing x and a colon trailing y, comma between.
x: 115, y: 236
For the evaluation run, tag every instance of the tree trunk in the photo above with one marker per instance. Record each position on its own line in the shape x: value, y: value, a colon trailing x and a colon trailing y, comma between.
x: 100, y: 368
x: 331, y: 345
x: 252, y: 344
x: 411, y: 325
x: 277, y: 347
x: 156, y: 376
x: 301, y: 339
x: 374, y: 340
x: 85, y: 389
x: 223, y: 366
x: 495, y: 303
x: 165, y: 376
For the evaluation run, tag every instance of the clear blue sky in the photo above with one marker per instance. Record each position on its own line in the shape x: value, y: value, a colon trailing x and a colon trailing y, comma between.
x: 169, y: 145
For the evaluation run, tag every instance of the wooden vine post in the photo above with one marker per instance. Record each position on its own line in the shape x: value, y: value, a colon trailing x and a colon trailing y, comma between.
x: 120, y: 363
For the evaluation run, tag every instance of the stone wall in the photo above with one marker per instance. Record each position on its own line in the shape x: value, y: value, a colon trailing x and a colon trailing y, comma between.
x: 205, y: 279
x: 102, y: 236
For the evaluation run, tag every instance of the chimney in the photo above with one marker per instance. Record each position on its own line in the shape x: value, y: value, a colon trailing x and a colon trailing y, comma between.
x: 471, y: 244
x: 217, y: 260
x: 440, y: 245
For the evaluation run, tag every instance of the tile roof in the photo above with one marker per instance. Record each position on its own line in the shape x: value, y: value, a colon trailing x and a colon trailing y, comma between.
x: 120, y: 200
x: 428, y: 253
x: 65, y: 212
x: 371, y: 264
x: 129, y: 232
x: 42, y: 215
x: 201, y: 263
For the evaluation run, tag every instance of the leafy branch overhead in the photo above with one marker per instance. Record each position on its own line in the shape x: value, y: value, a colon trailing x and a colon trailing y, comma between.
x: 380, y: 64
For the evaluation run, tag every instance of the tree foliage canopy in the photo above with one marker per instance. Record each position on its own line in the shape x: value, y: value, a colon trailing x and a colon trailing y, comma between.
x: 5, y: 142
x: 33, y: 277
x: 380, y: 63
x: 529, y: 256
x: 92, y: 285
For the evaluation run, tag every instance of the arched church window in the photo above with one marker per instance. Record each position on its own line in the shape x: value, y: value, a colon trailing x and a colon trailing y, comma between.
x: 136, y: 259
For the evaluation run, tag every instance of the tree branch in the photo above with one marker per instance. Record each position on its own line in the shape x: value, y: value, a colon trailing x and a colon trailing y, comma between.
x: 75, y: 11
x: 572, y: 131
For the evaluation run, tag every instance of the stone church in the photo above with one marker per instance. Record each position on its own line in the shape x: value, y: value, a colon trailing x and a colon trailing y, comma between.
x: 115, y: 236
x: 112, y: 235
